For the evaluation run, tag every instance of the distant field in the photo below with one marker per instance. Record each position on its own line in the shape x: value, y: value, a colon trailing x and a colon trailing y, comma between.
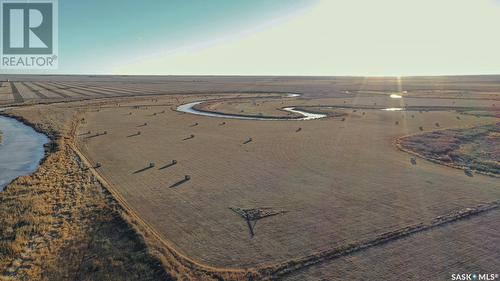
x: 84, y: 87
x: 300, y: 194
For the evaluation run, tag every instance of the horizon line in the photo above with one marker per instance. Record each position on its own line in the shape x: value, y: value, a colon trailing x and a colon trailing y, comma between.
x: 249, y: 75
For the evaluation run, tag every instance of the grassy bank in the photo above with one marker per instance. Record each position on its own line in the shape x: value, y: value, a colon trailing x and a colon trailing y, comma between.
x: 59, y: 224
x: 472, y: 148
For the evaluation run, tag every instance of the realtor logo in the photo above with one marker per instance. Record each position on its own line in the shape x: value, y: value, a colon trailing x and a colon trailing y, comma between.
x: 29, y: 34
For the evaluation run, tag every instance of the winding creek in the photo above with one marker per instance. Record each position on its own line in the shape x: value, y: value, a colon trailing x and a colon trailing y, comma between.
x: 21, y: 150
x: 190, y: 108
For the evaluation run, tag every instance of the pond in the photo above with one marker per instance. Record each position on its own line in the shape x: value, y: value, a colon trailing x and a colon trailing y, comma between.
x: 21, y: 150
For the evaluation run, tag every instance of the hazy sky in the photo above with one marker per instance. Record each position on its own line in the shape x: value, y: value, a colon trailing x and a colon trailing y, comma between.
x: 280, y: 37
x: 104, y: 36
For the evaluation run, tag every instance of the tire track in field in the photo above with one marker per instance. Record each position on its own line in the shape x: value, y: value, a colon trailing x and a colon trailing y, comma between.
x: 292, y: 266
x: 15, y: 92
x: 36, y: 92
x: 128, y: 89
x: 87, y: 89
x: 52, y: 90
x: 69, y: 90
x: 73, y: 87
x: 121, y: 90
x: 114, y: 90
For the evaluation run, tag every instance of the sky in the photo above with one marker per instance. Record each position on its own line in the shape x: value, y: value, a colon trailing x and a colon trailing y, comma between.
x: 279, y: 37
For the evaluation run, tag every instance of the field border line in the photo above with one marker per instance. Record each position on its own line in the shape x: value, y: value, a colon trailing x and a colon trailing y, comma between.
x: 296, y: 265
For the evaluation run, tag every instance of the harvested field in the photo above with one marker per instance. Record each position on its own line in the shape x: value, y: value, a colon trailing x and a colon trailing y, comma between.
x: 278, y: 169
x: 204, y: 198
x: 466, y: 246
x: 248, y: 107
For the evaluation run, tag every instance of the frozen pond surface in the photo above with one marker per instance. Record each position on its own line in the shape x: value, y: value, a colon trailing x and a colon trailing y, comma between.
x: 393, y: 109
x: 21, y: 150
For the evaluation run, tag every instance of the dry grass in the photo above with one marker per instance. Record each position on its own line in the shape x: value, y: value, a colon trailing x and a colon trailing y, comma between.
x: 472, y: 148
x: 59, y: 224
